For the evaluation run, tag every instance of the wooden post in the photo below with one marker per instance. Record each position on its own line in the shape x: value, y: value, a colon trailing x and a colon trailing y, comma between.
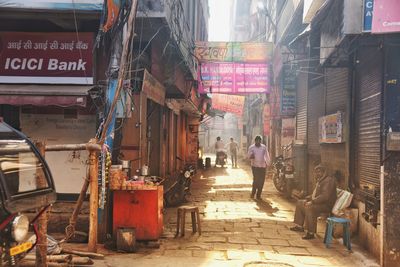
x: 94, y: 201
x: 41, y: 247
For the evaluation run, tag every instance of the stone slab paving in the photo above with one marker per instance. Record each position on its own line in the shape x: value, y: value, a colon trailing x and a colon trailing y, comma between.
x: 238, y: 230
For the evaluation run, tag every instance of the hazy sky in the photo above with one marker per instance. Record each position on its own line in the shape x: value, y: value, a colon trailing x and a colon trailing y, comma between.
x: 219, y: 20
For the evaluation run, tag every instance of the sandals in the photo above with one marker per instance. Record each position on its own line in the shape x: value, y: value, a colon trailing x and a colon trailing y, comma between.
x: 297, y: 229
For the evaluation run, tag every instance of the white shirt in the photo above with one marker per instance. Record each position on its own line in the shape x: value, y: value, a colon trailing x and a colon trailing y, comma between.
x: 219, y: 146
x: 261, y: 156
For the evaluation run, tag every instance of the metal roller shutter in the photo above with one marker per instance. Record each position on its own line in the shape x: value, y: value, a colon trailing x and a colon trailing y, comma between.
x: 368, y: 118
x: 301, y: 108
x: 337, y: 93
x: 316, y: 109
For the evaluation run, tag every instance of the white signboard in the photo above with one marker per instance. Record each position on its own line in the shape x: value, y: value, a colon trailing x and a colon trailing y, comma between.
x: 67, y: 167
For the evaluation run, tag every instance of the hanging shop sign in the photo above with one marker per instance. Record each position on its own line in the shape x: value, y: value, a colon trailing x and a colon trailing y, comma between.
x: 267, y: 119
x: 368, y: 9
x: 46, y: 58
x: 288, y: 91
x: 153, y: 88
x: 233, y: 52
x: 228, y: 103
x: 86, y: 5
x: 275, y: 101
x: 234, y: 78
x: 288, y: 130
x: 277, y: 62
x: 240, y: 122
x: 386, y: 16
x: 331, y: 128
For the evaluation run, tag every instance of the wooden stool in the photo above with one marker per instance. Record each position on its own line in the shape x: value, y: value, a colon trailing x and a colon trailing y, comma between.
x: 180, y: 222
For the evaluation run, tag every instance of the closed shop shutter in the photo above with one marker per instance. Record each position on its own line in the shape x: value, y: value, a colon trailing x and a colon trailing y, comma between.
x: 316, y: 109
x: 301, y: 108
x: 368, y: 118
x: 337, y: 93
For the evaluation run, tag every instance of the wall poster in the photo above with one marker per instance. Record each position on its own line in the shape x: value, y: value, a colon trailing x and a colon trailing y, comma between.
x: 331, y: 128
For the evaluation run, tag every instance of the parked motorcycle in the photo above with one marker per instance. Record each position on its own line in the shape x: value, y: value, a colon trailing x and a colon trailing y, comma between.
x: 221, y: 158
x: 25, y: 184
x: 283, y: 176
x: 180, y: 189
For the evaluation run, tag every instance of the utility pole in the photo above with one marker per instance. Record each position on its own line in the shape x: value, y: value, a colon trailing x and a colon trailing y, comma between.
x: 122, y: 67
x: 121, y: 77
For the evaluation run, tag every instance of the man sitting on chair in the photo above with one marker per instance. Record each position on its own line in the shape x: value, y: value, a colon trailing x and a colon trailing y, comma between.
x: 321, y: 201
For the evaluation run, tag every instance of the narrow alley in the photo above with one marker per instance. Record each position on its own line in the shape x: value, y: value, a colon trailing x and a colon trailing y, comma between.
x: 238, y: 231
x: 113, y: 111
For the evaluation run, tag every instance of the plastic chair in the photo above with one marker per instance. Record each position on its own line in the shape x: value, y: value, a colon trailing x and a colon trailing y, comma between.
x: 330, y: 224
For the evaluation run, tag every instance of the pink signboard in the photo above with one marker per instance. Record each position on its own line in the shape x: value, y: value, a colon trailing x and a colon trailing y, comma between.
x: 52, y: 58
x: 233, y: 51
x: 228, y: 103
x: 386, y: 16
x: 234, y: 78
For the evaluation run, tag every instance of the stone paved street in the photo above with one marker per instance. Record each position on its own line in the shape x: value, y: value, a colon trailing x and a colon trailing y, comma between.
x: 238, y: 231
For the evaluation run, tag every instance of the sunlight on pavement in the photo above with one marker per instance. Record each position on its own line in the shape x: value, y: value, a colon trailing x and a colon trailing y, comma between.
x: 220, y: 210
x: 231, y: 198
x: 237, y: 231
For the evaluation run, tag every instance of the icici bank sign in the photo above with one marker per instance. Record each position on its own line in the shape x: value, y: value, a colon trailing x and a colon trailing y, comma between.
x: 56, y: 58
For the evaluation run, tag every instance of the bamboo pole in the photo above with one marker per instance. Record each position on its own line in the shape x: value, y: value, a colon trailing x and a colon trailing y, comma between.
x: 41, y: 246
x: 83, y: 254
x: 68, y: 147
x: 27, y: 263
x: 63, y: 147
x: 51, y: 258
x: 92, y: 147
x: 93, y: 201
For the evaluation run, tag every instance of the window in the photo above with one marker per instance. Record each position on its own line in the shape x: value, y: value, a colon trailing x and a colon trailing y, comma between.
x: 21, y: 169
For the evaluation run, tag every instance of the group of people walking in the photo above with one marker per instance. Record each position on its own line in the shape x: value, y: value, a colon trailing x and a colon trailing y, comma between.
x: 232, y: 146
x: 308, y: 209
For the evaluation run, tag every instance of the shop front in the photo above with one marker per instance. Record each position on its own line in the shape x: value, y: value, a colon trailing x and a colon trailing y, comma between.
x: 44, y: 91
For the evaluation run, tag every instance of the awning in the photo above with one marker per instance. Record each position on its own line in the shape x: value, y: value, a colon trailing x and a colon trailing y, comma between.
x: 44, y: 95
x: 77, y: 5
x: 185, y: 105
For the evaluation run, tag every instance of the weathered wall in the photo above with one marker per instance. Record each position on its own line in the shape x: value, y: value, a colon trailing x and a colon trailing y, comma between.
x: 391, y: 210
x: 67, y: 167
x: 130, y: 144
x: 333, y: 156
x: 368, y: 235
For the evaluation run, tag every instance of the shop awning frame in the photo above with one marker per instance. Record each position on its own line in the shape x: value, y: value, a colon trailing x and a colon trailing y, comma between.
x: 44, y: 95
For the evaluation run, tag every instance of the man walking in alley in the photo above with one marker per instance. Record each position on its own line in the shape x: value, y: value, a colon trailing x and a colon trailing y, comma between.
x: 321, y: 201
x: 233, y: 149
x: 259, y: 156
